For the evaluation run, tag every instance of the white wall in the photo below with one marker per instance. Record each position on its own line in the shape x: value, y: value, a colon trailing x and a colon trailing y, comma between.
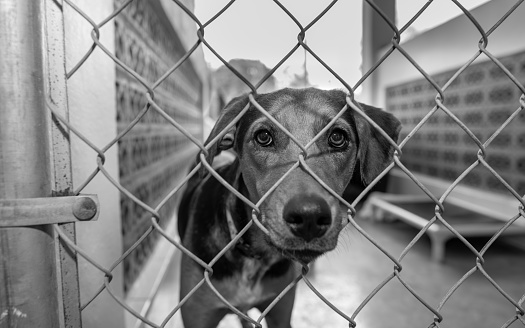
x: 92, y: 103
x: 452, y: 44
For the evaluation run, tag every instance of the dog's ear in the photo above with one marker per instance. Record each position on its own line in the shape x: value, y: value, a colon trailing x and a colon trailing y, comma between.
x: 232, y: 109
x: 375, y: 151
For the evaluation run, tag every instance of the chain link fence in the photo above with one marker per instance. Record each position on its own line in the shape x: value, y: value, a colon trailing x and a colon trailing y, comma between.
x: 150, y: 90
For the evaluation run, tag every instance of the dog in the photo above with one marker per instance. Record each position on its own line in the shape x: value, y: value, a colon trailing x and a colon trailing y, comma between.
x: 302, y: 219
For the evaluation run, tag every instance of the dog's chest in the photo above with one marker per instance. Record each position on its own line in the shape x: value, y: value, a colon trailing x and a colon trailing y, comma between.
x: 247, y: 288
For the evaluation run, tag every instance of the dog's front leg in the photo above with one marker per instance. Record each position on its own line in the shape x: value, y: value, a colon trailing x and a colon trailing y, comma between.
x: 196, y: 315
x: 280, y: 315
x: 203, y: 309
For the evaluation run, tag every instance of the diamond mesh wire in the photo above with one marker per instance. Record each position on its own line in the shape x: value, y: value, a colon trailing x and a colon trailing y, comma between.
x: 351, y: 105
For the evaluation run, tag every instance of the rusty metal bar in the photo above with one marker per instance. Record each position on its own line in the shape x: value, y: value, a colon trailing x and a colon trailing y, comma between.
x: 24, y: 212
x: 83, y: 207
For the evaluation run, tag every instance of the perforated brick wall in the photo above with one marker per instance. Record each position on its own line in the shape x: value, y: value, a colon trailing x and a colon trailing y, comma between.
x: 151, y: 154
x: 483, y: 98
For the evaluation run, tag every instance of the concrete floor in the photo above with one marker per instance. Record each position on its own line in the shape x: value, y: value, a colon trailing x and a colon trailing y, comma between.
x: 347, y: 275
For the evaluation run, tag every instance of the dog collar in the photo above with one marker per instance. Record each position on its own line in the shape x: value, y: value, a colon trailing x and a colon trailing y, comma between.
x: 244, y: 248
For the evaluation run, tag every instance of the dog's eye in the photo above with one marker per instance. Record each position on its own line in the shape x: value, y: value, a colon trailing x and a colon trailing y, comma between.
x: 337, y: 139
x: 263, y: 138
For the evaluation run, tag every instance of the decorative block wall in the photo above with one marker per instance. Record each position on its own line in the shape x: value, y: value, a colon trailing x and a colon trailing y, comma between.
x: 483, y: 97
x: 154, y: 155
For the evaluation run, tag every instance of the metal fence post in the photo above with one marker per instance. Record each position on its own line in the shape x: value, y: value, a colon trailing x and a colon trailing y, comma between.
x: 30, y: 292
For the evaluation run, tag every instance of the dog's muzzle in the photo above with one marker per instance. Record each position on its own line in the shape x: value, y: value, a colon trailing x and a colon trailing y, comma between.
x: 307, y: 216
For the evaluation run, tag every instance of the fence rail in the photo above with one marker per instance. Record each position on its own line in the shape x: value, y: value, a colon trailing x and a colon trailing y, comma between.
x: 150, y: 90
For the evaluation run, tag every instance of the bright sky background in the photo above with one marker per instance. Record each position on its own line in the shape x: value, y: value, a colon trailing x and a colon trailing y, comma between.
x: 260, y: 30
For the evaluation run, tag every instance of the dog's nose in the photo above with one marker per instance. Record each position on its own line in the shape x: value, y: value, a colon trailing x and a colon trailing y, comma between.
x: 308, y: 216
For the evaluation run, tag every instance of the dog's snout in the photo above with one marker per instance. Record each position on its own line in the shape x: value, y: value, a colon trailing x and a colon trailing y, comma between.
x: 308, y: 216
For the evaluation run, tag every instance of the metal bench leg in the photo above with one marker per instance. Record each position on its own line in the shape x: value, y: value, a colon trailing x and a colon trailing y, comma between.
x: 437, y: 246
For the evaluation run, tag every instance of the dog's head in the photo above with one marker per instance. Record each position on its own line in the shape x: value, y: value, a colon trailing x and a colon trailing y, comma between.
x: 302, y: 217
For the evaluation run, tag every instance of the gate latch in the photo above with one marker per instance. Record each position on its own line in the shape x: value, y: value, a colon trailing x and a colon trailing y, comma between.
x: 24, y: 212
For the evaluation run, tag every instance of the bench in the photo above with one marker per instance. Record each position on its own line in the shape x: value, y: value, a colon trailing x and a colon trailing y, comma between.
x: 471, y: 212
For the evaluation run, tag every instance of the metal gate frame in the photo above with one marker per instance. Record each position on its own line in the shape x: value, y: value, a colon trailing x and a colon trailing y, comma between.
x: 39, y: 275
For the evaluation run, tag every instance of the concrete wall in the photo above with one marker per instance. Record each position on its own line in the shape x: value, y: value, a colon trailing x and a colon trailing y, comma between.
x: 377, y: 34
x: 91, y: 92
